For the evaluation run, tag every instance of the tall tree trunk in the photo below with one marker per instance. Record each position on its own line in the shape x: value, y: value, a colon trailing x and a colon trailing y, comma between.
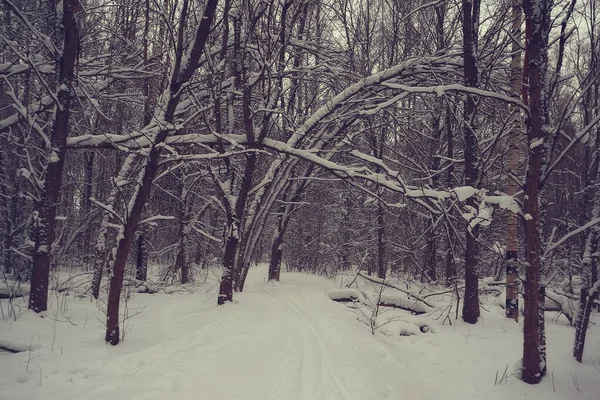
x: 102, y: 259
x: 470, y: 311
x: 284, y: 215
x: 450, y: 258
x: 346, y: 247
x: 512, y: 265
x: 179, y: 77
x: 583, y: 317
x: 378, y: 143
x: 537, y: 19
x: 45, y: 213
x: 381, y: 262
x: 89, y: 190
x: 226, y: 285
x: 591, y: 209
x: 235, y: 224
x: 141, y: 267
x: 276, y: 252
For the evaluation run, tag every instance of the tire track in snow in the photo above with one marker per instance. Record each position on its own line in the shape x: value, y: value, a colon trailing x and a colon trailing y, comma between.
x: 330, y: 366
x: 309, y: 376
x: 323, y: 360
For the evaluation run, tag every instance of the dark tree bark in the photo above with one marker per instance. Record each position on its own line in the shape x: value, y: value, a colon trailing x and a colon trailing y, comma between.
x: 45, y: 212
x: 276, y: 256
x: 180, y: 76
x: 235, y: 212
x: 183, y: 264
x: 141, y: 261
x: 377, y: 144
x: 284, y: 215
x: 226, y: 285
x: 434, y: 165
x: 450, y: 259
x: 583, y: 319
x: 103, y: 259
x: 537, y: 19
x: 346, y: 247
x: 89, y: 190
x: 381, y: 261
x: 470, y: 311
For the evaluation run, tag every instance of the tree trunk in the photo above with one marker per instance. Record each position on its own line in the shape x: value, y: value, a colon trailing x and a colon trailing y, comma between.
x: 537, y: 17
x: 276, y: 246
x: 45, y: 213
x: 183, y: 264
x: 89, y: 192
x: 102, y: 259
x: 182, y: 261
x: 276, y: 257
x: 141, y: 268
x: 591, y: 209
x: 450, y: 259
x: 470, y: 310
x: 346, y: 247
x: 381, y: 264
x: 226, y: 286
x: 431, y: 253
x: 512, y: 266
x: 180, y: 75
x: 583, y: 317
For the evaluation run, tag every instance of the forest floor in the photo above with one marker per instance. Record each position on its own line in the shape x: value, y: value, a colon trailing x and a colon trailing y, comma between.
x: 281, y: 341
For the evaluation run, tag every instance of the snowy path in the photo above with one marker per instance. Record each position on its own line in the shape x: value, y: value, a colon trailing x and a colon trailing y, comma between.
x: 279, y: 341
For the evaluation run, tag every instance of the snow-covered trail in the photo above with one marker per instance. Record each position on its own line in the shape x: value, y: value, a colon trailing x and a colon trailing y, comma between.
x: 278, y: 341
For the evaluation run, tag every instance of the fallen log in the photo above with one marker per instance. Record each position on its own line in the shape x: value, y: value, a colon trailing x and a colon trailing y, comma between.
x: 347, y: 295
x: 384, y: 300
x: 414, y: 306
x: 391, y: 285
x: 15, y: 347
x: 7, y: 292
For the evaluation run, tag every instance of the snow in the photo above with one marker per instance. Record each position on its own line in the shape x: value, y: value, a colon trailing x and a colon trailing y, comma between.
x: 285, y: 340
x: 404, y: 301
x: 536, y: 143
x: 16, y: 346
x: 344, y: 294
x: 464, y: 192
x: 53, y: 157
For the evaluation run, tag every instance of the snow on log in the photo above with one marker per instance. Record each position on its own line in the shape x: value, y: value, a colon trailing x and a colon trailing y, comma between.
x: 563, y: 303
x: 405, y: 326
x: 405, y: 303
x: 12, y: 290
x: 386, y: 300
x: 391, y: 285
x: 346, y: 295
x: 15, y: 347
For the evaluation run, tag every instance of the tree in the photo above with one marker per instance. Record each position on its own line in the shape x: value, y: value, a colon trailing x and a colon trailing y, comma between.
x: 537, y: 30
x: 470, y: 311
x: 157, y: 130
x: 45, y: 211
x: 512, y: 266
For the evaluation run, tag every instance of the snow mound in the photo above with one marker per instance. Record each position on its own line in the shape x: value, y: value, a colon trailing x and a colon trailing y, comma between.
x: 346, y: 295
x: 13, y: 346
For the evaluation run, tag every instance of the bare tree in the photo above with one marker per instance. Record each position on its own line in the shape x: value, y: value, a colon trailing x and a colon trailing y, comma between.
x: 537, y: 25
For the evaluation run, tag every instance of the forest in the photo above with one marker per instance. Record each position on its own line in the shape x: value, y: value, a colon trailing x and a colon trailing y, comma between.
x: 439, y: 152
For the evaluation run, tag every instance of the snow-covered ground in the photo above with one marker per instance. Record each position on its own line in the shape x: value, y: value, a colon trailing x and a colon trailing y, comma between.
x: 281, y: 341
